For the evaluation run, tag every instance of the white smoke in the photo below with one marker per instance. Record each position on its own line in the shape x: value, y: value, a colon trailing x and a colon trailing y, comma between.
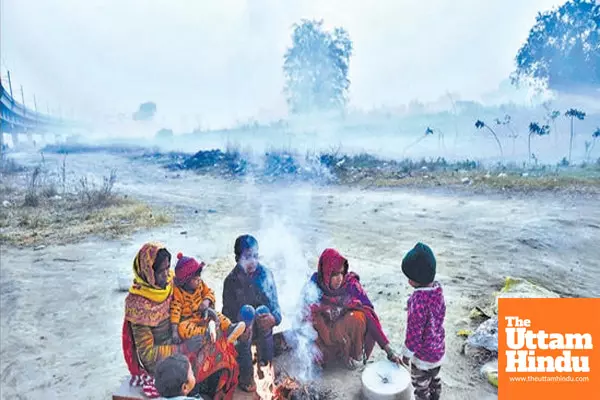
x: 304, y: 336
x: 283, y: 249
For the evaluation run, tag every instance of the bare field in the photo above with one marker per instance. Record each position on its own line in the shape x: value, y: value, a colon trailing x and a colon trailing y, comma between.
x: 62, y: 314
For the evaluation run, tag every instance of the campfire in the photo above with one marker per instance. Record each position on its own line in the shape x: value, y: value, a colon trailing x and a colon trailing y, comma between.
x: 291, y: 389
x: 280, y: 385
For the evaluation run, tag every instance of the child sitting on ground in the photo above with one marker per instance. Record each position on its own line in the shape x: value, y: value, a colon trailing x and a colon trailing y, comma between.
x: 192, y: 307
x: 250, y: 296
x: 425, y: 336
x: 174, y: 378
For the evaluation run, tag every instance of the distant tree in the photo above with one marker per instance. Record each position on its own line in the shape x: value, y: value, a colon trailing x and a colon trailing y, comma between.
x: 563, y: 48
x: 589, y: 146
x: 539, y: 130
x: 480, y: 125
x: 512, y: 133
x: 551, y: 117
x: 316, y: 68
x: 573, y: 113
x: 145, y: 112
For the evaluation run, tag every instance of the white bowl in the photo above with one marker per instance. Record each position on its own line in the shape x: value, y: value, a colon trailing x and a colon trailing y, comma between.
x: 384, y: 380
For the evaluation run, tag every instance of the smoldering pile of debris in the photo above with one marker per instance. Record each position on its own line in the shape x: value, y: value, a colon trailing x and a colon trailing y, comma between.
x: 325, y: 167
x: 289, y: 388
x: 273, y: 165
x: 214, y: 161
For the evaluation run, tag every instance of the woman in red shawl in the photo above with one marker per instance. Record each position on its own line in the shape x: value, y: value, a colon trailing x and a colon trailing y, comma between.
x: 342, y: 314
x: 147, y: 338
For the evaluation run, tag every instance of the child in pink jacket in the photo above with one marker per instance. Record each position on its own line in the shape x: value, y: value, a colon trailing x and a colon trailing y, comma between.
x: 425, y: 343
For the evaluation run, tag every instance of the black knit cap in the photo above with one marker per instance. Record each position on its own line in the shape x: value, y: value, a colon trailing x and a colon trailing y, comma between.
x: 419, y: 264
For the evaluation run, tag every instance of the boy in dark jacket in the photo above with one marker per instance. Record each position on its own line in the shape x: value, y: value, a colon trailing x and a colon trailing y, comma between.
x: 250, y: 295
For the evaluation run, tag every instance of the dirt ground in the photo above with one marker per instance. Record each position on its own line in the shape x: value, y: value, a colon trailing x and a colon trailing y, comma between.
x: 61, y: 311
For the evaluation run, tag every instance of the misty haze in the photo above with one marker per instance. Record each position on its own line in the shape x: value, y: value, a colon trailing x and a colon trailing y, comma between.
x: 471, y: 126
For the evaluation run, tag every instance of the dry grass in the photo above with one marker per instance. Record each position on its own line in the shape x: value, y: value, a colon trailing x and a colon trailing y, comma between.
x: 59, y: 221
x: 34, y: 213
x: 481, y: 180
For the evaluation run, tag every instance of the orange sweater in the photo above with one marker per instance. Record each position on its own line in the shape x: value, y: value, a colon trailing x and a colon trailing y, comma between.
x: 185, y: 304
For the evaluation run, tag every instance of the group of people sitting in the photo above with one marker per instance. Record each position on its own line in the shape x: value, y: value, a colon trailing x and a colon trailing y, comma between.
x: 176, y: 344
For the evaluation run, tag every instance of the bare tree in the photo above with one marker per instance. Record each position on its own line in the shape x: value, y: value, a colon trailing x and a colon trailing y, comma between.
x: 512, y: 133
x: 479, y: 124
x: 589, y: 146
x: 428, y: 132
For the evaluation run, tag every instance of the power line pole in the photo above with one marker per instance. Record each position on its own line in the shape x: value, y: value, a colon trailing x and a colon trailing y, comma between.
x: 22, y: 96
x: 9, y: 83
x: 35, y: 103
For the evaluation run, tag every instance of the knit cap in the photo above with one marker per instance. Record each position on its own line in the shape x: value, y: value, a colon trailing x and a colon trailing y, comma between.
x: 419, y: 264
x: 186, y: 269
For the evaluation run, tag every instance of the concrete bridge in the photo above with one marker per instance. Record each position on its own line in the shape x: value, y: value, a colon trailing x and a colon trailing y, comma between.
x: 16, y: 119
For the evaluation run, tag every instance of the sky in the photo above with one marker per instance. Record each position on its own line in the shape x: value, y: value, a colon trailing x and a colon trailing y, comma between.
x: 216, y: 63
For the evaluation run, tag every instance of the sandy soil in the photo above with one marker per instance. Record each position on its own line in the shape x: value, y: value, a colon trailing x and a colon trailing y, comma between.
x: 62, y: 313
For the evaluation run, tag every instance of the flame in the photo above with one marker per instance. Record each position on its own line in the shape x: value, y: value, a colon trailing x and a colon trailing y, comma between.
x: 285, y: 389
x: 264, y: 378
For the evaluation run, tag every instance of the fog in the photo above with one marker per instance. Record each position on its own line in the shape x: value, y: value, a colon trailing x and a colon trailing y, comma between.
x: 215, y: 64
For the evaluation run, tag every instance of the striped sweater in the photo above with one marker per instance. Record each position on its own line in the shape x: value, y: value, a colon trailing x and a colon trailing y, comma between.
x: 186, y: 304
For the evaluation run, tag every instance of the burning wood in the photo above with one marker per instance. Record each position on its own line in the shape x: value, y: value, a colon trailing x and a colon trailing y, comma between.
x: 291, y: 389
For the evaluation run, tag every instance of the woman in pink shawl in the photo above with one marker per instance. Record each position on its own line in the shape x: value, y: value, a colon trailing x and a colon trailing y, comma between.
x: 342, y: 314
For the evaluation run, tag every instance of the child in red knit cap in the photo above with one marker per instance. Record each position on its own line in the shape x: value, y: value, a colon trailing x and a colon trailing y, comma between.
x: 193, y: 303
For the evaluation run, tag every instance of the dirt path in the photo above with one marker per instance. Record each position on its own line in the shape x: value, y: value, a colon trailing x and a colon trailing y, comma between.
x: 61, y: 314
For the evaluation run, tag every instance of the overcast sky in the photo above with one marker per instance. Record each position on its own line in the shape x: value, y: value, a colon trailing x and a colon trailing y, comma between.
x: 220, y: 61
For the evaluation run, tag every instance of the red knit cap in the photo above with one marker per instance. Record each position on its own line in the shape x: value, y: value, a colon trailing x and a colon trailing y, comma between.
x: 186, y: 269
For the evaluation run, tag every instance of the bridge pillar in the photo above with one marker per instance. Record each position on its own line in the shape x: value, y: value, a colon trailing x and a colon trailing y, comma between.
x: 30, y: 139
x: 15, y: 139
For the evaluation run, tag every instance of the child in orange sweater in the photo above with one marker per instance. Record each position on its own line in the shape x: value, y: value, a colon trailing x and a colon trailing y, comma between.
x: 193, y: 303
